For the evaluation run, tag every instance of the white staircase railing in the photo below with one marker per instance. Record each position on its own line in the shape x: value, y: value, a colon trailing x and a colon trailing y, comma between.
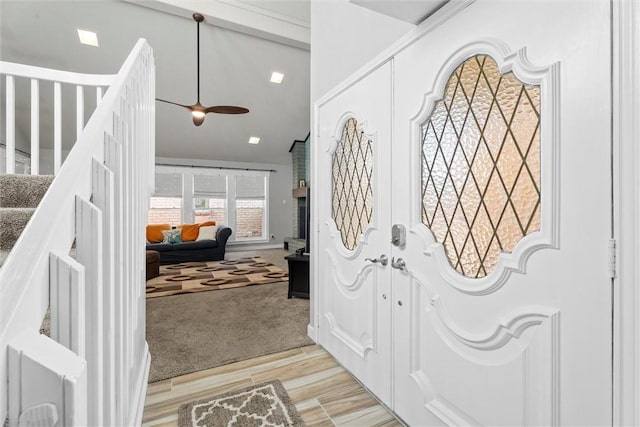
x: 45, y: 133
x: 93, y: 369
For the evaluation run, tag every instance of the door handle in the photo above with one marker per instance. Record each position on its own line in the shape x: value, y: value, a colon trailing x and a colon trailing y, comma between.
x: 399, y: 264
x: 384, y: 260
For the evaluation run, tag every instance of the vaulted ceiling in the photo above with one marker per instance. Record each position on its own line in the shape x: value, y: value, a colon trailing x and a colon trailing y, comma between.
x: 236, y: 63
x: 242, y: 43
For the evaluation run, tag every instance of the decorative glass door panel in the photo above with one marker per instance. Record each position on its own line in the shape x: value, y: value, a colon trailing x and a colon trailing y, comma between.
x: 351, y: 196
x: 481, y: 165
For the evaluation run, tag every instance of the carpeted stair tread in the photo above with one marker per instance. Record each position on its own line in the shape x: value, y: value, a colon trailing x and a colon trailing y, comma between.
x: 45, y: 327
x: 3, y: 256
x: 12, y: 222
x: 23, y: 191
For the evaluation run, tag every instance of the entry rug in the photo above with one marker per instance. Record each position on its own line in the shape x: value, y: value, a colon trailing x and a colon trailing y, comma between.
x: 192, y: 277
x: 266, y: 404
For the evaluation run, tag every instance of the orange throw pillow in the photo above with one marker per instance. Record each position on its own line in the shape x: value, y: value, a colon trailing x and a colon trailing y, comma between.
x: 190, y: 231
x: 154, y: 232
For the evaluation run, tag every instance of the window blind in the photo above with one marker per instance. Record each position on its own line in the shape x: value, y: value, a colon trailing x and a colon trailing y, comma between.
x: 250, y: 187
x: 168, y: 185
x: 211, y: 186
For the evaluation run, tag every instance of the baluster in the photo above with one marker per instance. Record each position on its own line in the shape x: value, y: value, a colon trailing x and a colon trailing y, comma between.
x: 68, y: 320
x: 35, y: 127
x: 98, y: 95
x: 57, y: 127
x: 103, y: 197
x: 89, y: 248
x: 113, y: 160
x: 11, y: 125
x: 79, y: 110
x: 46, y: 379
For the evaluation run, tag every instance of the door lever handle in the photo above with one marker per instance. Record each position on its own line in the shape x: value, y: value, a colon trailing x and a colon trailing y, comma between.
x: 399, y: 264
x: 384, y: 260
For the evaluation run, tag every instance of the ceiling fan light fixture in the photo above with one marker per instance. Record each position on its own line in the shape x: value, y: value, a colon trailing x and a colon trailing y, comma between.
x: 198, y: 117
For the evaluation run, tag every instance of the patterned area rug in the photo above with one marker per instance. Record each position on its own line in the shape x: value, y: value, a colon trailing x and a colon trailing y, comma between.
x: 266, y: 404
x: 192, y: 277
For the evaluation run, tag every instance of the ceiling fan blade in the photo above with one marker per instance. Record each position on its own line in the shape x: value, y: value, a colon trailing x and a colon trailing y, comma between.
x: 226, y: 109
x: 175, y: 103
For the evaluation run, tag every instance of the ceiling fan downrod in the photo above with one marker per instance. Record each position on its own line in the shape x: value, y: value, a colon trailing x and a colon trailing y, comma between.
x: 199, y: 111
x: 197, y: 114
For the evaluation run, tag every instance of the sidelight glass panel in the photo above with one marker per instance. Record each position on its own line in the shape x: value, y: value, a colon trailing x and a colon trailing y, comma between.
x: 481, y: 165
x: 352, y: 196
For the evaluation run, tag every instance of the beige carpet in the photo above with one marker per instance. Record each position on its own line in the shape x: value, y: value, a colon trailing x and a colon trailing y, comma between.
x: 266, y: 404
x: 193, y: 332
x: 190, y: 277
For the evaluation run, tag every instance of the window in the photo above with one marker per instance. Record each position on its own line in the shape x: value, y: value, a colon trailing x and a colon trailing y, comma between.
x: 210, y: 198
x: 250, y: 207
x: 236, y: 198
x: 23, y: 161
x: 165, y: 207
x: 209, y: 209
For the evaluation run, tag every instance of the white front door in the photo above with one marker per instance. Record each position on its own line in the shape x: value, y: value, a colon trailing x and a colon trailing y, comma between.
x: 495, y: 160
x: 501, y: 165
x: 352, y: 196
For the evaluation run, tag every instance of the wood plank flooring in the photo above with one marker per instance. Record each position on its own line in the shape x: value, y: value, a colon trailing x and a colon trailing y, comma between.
x: 322, y: 391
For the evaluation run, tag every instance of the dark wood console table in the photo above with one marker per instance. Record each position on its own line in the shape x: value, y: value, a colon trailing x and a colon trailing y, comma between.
x: 298, y: 275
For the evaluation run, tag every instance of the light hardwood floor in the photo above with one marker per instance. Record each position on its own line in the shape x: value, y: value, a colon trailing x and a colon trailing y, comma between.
x: 322, y: 391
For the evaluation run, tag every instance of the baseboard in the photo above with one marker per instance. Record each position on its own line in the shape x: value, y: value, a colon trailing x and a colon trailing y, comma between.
x: 253, y: 247
x: 137, y: 409
x: 313, y: 333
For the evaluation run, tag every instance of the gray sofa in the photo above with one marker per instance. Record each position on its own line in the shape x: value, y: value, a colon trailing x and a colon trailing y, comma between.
x: 199, y: 250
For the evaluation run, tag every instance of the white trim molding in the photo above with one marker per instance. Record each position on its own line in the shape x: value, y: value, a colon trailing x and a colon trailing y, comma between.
x: 626, y: 213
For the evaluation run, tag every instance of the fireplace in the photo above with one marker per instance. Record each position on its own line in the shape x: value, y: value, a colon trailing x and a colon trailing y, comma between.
x: 302, y: 219
x: 300, y: 230
x: 300, y: 198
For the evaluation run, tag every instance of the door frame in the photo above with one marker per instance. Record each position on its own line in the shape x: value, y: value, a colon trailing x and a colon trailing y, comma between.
x: 626, y: 210
x: 625, y: 39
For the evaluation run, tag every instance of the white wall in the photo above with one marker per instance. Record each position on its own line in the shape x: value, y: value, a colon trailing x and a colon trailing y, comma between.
x: 280, y: 212
x: 46, y: 160
x: 344, y: 37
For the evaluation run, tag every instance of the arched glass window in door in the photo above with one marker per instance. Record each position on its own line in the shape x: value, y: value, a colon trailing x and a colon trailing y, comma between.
x: 351, y: 193
x: 481, y: 165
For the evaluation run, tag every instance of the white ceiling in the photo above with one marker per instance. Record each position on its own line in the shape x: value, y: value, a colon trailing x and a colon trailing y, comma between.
x: 411, y: 11
x: 237, y: 58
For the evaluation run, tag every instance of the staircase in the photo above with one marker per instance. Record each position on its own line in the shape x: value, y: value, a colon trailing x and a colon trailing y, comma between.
x: 19, y: 197
x: 73, y: 246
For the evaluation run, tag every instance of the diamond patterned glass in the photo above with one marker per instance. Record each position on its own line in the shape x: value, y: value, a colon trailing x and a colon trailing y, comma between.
x: 481, y: 165
x: 352, y: 197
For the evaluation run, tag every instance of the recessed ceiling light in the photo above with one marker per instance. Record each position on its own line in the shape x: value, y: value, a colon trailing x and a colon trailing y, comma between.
x: 277, y: 77
x: 254, y: 140
x: 88, y: 37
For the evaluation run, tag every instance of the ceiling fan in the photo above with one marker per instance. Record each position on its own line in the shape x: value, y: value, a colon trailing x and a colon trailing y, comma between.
x: 198, y: 111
